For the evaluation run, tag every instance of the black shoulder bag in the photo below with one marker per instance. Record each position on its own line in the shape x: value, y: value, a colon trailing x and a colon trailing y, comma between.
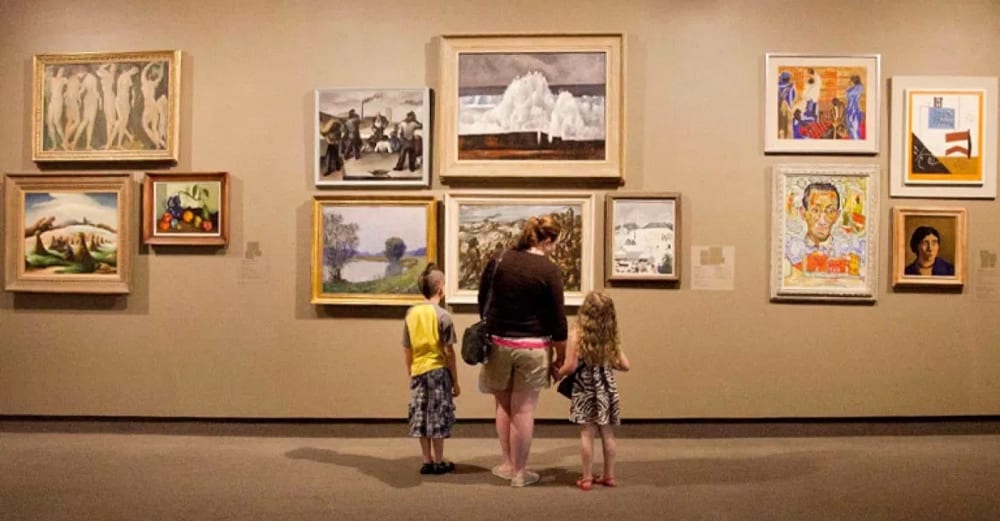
x: 476, y: 339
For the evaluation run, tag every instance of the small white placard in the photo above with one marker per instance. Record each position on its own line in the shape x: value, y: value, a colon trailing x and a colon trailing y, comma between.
x: 713, y: 268
x: 987, y: 282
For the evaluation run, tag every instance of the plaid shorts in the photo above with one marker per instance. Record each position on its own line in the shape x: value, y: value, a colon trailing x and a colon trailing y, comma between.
x: 432, y: 411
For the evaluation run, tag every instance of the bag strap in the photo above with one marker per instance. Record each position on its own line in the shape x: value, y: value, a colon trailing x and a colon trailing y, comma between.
x: 489, y: 295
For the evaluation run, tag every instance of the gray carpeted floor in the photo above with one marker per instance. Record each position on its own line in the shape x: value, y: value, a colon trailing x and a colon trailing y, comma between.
x: 83, y: 474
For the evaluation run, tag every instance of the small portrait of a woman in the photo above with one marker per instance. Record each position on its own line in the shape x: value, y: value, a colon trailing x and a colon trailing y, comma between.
x: 925, y: 243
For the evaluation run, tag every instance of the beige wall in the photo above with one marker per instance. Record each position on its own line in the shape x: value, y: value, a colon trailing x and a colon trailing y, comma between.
x: 191, y: 340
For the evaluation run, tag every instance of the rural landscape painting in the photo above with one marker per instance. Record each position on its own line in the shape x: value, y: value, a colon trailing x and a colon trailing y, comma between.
x: 526, y: 105
x: 68, y: 234
x: 372, y: 137
x: 642, y: 237
x: 943, y: 136
x: 822, y: 104
x: 106, y: 106
x: 186, y: 208
x: 480, y: 227
x: 825, y: 233
x: 371, y: 250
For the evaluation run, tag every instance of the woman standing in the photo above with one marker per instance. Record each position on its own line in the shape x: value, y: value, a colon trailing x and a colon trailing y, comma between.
x: 522, y: 303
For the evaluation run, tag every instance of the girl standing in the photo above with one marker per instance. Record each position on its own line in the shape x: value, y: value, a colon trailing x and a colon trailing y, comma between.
x: 594, y: 345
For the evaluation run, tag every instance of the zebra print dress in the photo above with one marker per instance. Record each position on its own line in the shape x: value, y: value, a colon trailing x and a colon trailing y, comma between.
x: 595, y: 397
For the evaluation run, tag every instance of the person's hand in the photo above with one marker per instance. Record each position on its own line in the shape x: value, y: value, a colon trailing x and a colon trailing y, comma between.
x: 456, y: 390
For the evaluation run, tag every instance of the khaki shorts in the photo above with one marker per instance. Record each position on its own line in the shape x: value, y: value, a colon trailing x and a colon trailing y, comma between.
x: 510, y: 369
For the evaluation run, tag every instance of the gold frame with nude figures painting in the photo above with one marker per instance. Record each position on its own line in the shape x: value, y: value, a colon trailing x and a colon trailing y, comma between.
x: 107, y: 106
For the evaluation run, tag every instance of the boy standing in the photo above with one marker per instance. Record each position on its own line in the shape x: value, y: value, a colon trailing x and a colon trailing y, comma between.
x: 428, y: 347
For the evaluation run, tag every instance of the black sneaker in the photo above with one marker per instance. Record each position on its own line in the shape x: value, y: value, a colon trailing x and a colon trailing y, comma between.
x: 444, y: 467
x: 429, y: 468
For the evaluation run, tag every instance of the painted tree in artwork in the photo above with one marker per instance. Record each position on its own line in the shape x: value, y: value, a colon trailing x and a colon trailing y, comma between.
x: 340, y: 243
x: 394, y: 250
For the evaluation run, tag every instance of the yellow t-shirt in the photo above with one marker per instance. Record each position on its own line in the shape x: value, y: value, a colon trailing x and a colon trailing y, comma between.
x: 427, y: 330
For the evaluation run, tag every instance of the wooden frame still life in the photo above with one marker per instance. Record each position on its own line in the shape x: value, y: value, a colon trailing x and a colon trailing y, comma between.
x: 68, y: 233
x: 642, y: 237
x: 821, y: 104
x: 188, y: 209
x: 111, y: 106
x: 531, y: 106
x: 824, y: 235
x: 370, y: 250
x: 928, y: 246
x: 943, y: 137
x: 479, y: 226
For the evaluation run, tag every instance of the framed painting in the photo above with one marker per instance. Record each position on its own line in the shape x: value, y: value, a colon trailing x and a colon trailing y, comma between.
x: 531, y: 106
x: 642, y: 237
x: 372, y: 137
x: 481, y: 225
x: 943, y: 137
x: 68, y: 233
x: 115, y: 106
x: 370, y: 250
x: 928, y: 246
x: 190, y: 208
x: 818, y: 104
x: 824, y: 237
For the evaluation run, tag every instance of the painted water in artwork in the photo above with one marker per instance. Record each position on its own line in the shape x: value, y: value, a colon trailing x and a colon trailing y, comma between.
x: 532, y: 106
x: 70, y: 233
x: 373, y: 249
x: 485, y: 230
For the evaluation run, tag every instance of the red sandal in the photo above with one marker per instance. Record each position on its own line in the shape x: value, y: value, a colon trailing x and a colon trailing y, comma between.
x: 585, y: 484
x: 607, y: 482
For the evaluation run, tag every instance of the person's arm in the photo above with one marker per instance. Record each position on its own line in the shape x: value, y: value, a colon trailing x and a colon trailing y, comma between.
x: 408, y: 358
x: 622, y: 364
x: 449, y: 356
x: 571, y: 353
x: 485, y: 281
x: 557, y: 318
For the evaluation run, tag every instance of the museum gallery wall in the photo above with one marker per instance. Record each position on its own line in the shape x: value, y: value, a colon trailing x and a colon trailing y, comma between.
x: 230, y: 227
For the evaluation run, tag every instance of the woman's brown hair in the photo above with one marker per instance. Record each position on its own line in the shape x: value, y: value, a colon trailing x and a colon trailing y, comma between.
x: 536, y: 230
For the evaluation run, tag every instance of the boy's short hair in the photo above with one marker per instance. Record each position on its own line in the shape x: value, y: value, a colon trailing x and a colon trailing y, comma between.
x: 431, y: 280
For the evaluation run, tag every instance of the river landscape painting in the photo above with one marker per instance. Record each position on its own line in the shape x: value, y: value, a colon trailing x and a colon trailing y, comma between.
x: 371, y: 250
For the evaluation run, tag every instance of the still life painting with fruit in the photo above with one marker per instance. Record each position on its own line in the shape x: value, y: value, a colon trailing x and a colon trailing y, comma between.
x: 185, y: 209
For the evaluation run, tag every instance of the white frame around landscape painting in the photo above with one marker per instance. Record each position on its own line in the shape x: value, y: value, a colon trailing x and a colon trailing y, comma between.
x: 774, y: 143
x: 981, y: 137
x: 857, y: 188
x: 454, y: 202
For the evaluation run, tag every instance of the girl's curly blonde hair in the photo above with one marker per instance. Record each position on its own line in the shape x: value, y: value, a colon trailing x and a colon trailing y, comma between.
x: 597, y: 326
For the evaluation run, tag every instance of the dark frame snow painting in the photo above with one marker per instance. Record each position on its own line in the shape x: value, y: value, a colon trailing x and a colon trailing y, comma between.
x: 519, y: 106
x: 68, y: 234
x: 121, y: 106
x: 372, y: 137
x: 643, y: 237
x: 371, y: 250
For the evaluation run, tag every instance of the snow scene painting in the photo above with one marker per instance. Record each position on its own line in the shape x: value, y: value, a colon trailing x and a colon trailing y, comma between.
x: 643, y: 234
x: 535, y: 106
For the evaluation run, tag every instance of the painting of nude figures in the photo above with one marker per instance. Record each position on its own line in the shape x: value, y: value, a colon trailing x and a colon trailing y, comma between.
x: 106, y: 106
x: 68, y: 234
x: 481, y: 226
x: 518, y: 106
x: 821, y: 104
x: 372, y: 137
